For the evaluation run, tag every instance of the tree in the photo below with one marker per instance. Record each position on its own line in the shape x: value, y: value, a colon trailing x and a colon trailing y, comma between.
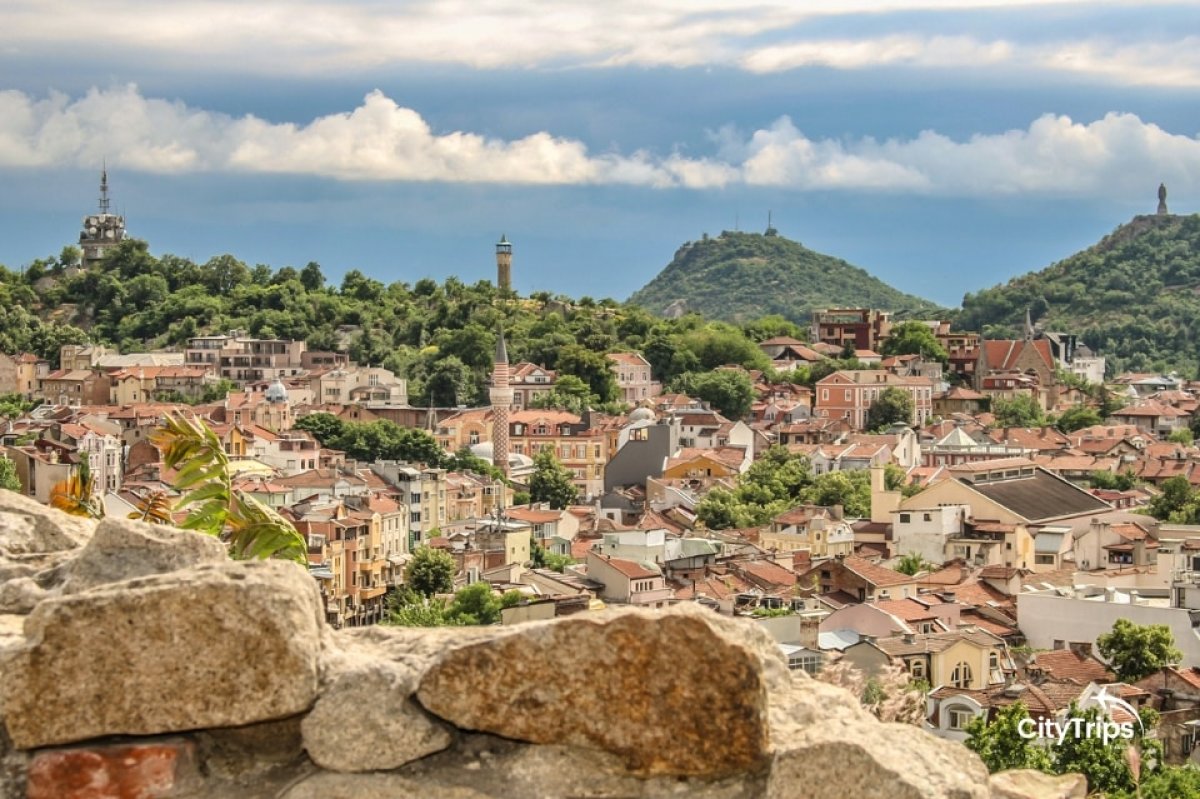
x: 1182, y: 436
x: 218, y: 391
x: 912, y: 563
x: 1077, y: 418
x: 1001, y: 746
x: 311, y: 277
x: 1105, y: 765
x: 729, y: 391
x: 252, y: 530
x: 593, y: 368
x: 1138, y: 650
x: 8, y: 475
x: 893, y: 405
x: 1020, y: 411
x: 1178, y: 503
x: 1113, y: 482
x: 431, y: 571
x: 424, y: 612
x: 850, y: 489
x: 325, y: 427
x: 475, y: 604
x: 569, y: 394
x: 914, y: 338
x: 551, y: 482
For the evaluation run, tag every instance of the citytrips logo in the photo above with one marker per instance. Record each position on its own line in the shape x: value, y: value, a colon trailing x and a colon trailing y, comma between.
x: 1106, y: 728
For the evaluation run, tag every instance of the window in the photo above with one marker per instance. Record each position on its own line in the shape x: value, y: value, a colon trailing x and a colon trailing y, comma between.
x: 994, y: 661
x: 928, y: 517
x: 961, y: 676
x: 958, y: 718
x: 905, y: 518
x: 917, y: 669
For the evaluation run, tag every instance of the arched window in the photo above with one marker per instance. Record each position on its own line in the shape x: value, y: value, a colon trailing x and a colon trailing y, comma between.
x: 917, y: 669
x: 961, y: 676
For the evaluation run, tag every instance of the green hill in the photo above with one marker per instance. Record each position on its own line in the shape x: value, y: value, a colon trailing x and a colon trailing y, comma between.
x: 737, y: 277
x: 1134, y: 297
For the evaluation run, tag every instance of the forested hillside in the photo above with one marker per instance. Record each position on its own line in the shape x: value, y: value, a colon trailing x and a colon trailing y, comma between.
x: 741, y: 276
x: 441, y: 337
x: 1134, y: 297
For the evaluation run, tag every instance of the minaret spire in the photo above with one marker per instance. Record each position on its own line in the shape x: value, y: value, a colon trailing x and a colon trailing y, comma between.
x: 1028, y: 325
x: 501, y: 396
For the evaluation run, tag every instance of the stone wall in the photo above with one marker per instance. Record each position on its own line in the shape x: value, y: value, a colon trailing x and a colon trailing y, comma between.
x: 138, y: 661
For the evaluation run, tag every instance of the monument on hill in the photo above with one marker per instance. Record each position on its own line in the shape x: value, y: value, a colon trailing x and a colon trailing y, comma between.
x: 1162, y: 199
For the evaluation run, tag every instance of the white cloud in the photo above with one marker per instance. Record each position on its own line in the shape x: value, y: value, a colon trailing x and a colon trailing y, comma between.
x: 1158, y: 63
x: 382, y: 141
x: 275, y: 37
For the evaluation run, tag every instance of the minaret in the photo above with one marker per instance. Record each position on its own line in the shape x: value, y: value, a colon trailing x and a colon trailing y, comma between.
x: 501, y: 396
x: 1028, y: 326
x: 504, y: 265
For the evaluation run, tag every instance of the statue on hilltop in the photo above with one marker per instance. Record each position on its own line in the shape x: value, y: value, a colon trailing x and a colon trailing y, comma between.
x: 1162, y: 199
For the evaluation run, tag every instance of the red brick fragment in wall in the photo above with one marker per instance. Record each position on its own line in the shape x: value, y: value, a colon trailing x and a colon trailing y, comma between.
x: 118, y: 771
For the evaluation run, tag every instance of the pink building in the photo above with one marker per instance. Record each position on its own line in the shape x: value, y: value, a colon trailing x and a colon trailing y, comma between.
x: 633, y: 377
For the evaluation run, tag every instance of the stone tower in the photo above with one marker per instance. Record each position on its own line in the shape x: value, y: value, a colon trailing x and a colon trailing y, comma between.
x: 1162, y: 199
x: 103, y: 231
x: 501, y: 396
x: 504, y: 265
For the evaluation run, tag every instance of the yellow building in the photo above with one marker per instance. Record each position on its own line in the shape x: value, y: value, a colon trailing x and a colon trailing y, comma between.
x: 693, y: 463
x: 968, y: 658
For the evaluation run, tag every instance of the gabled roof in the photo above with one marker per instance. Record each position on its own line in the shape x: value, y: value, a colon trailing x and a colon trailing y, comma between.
x: 1067, y: 664
x: 873, y: 573
x: 1004, y: 354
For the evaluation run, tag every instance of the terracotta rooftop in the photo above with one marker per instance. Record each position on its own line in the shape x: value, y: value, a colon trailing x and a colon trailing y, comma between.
x: 1067, y: 665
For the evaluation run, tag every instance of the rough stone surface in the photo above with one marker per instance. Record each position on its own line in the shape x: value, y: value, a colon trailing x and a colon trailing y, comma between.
x: 215, y: 646
x: 817, y: 723
x: 1028, y: 784
x: 20, y: 595
x: 150, y: 770
x: 35, y: 538
x: 237, y: 751
x: 366, y: 720
x: 501, y: 768
x: 122, y: 549
x: 331, y: 785
x: 651, y: 687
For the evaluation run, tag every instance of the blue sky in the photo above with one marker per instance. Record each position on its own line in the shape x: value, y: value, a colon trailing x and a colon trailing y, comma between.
x: 944, y: 145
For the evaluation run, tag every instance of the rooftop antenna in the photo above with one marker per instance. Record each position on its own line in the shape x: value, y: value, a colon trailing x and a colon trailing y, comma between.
x: 771, y: 231
x: 104, y: 187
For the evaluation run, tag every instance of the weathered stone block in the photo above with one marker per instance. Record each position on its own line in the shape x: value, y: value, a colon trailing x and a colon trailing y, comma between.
x: 1027, y: 784
x: 815, y: 723
x: 122, y: 549
x: 216, y: 646
x: 35, y: 539
x: 681, y: 692
x: 366, y: 720
x: 152, y: 770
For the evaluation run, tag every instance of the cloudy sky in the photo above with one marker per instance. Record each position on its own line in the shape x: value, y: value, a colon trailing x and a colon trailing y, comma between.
x: 944, y: 145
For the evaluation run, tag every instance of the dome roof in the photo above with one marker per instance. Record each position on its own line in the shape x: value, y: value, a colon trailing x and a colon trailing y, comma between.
x: 277, y: 392
x: 484, y: 451
x: 641, y: 415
